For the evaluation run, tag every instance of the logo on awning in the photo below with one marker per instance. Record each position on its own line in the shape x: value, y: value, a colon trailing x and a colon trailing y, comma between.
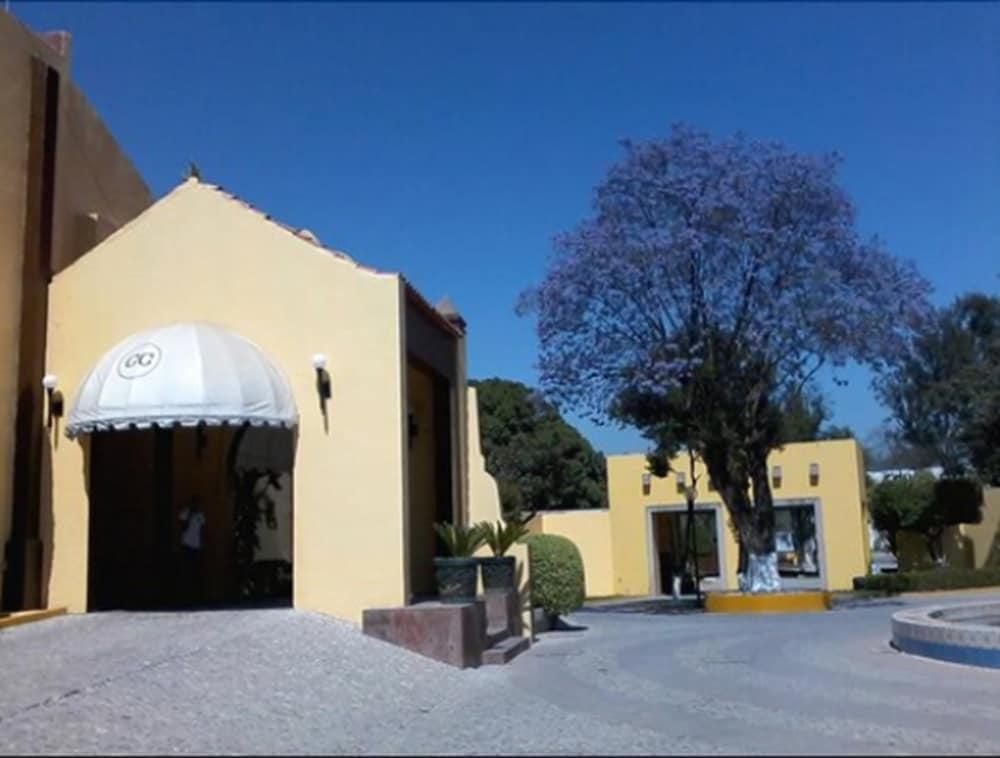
x: 139, y: 361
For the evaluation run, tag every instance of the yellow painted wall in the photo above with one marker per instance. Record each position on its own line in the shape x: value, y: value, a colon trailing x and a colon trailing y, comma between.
x: 590, y: 530
x: 484, y: 504
x: 968, y: 546
x: 982, y: 540
x: 841, y: 523
x: 201, y: 255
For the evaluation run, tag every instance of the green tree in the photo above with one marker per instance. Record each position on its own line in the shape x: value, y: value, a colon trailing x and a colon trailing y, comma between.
x: 713, y: 279
x: 804, y: 417
x: 944, y: 392
x: 539, y: 461
x: 919, y: 503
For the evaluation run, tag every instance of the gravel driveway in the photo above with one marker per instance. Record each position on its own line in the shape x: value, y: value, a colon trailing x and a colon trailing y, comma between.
x: 281, y: 681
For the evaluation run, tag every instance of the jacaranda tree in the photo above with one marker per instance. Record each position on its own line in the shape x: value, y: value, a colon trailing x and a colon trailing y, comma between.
x: 712, y: 281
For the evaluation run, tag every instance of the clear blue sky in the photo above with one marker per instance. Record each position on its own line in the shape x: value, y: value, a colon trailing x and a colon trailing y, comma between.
x: 452, y: 141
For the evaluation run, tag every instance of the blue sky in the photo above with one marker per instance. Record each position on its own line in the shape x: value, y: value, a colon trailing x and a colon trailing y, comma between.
x: 452, y: 141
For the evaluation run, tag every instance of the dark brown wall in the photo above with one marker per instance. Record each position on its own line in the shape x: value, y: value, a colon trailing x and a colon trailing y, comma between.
x: 64, y: 185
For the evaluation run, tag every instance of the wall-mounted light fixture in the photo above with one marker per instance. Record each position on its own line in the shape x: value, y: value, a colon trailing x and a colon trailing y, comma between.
x: 681, y: 482
x: 55, y: 398
x: 776, y: 476
x: 322, y: 385
x: 322, y: 378
x: 711, y: 485
x: 813, y: 474
x: 647, y: 482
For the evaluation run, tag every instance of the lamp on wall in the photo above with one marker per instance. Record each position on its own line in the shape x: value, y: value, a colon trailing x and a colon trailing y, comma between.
x: 776, y: 476
x: 813, y: 474
x: 55, y: 398
x: 322, y: 377
x: 322, y: 386
x: 647, y: 480
x: 681, y: 482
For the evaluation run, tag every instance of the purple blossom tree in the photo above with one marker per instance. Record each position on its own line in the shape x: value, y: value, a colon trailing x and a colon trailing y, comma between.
x: 713, y: 279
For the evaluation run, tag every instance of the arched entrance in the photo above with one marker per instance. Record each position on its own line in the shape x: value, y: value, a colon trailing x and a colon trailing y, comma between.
x: 188, y: 424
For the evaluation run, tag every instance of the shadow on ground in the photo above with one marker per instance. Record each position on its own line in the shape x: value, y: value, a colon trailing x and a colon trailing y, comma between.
x: 649, y: 606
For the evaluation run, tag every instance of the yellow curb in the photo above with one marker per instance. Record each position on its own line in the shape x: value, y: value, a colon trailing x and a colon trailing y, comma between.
x: 768, y: 602
x: 26, y: 617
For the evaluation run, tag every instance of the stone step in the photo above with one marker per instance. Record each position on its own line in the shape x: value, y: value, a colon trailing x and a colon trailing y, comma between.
x: 504, y: 651
x: 496, y: 635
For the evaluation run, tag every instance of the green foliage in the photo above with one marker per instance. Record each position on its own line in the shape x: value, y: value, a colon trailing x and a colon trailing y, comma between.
x: 557, y: 583
x: 944, y: 391
x: 460, y: 541
x: 926, y: 581
x: 502, y: 535
x: 804, y: 415
x: 539, y: 461
x: 920, y: 503
x: 959, y: 500
x: 899, y: 503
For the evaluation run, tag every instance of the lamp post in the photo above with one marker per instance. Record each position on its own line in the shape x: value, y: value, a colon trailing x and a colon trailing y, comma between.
x: 691, y: 494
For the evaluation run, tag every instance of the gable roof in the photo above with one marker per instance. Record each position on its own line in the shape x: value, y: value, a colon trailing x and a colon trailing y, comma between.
x: 307, y: 237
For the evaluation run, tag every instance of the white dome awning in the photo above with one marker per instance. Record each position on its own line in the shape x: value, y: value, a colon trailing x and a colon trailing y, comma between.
x: 182, y: 374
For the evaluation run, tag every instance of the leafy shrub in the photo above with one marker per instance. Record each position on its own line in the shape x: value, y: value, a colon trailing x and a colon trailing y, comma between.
x: 925, y: 581
x: 556, y: 573
x: 502, y: 536
x: 460, y: 541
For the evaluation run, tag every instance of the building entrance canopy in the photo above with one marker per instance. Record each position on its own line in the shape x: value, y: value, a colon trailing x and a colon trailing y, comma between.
x: 183, y: 374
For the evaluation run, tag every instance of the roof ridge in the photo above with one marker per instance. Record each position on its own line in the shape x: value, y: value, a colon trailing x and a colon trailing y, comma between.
x: 313, y: 240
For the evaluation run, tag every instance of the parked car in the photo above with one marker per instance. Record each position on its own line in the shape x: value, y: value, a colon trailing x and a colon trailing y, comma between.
x: 884, y: 562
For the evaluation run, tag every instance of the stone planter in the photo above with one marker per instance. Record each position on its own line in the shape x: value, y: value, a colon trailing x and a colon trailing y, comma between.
x: 456, y: 579
x: 498, y: 573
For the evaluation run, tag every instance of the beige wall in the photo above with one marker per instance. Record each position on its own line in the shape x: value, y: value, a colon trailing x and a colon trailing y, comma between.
x: 96, y: 190
x: 201, y: 255
x: 982, y: 540
x: 841, y: 525
x: 965, y: 546
x: 484, y: 504
x: 841, y: 517
x: 590, y: 531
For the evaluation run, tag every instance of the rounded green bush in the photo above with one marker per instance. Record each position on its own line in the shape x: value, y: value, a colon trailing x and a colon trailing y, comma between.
x: 556, y: 573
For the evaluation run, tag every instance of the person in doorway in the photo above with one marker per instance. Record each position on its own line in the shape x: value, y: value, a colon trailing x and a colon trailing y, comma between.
x: 192, y: 526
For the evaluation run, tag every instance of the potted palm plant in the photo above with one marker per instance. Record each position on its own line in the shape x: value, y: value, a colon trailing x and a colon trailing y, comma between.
x: 456, y: 574
x: 498, y: 571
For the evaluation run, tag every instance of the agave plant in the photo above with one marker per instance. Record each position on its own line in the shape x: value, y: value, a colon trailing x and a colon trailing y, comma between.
x: 501, y: 536
x: 461, y: 541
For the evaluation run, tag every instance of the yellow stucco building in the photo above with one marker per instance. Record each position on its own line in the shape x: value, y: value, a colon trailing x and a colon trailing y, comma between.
x: 368, y: 382
x: 193, y: 353
x: 634, y: 547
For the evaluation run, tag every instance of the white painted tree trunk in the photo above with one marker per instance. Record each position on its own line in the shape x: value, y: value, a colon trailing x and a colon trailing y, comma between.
x: 762, y: 574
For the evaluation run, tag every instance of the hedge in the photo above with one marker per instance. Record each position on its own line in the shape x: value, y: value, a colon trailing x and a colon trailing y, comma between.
x: 924, y: 581
x: 556, y: 573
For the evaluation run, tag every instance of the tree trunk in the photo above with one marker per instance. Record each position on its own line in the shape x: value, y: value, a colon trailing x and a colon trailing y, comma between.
x: 753, y: 519
x: 762, y: 567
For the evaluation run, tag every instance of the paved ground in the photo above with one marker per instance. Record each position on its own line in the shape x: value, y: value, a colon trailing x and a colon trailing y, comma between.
x: 277, y: 681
